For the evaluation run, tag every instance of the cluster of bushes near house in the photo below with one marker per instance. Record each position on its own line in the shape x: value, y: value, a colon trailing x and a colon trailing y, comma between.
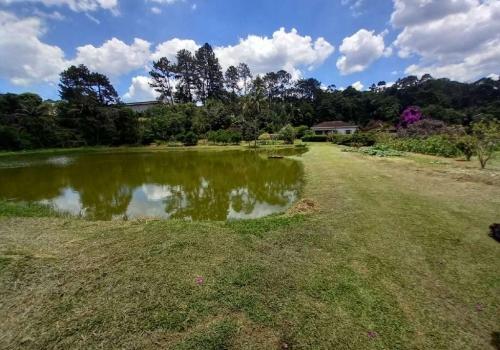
x: 418, y: 134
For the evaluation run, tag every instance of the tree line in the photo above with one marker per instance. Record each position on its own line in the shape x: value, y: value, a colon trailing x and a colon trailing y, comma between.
x: 197, y: 97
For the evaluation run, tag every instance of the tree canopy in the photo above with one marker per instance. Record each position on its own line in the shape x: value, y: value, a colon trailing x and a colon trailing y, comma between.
x: 196, y: 95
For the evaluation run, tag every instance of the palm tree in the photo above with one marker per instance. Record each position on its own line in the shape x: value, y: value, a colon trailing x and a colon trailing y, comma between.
x: 34, y: 120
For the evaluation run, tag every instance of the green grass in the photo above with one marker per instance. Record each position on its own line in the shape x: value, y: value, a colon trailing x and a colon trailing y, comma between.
x: 369, y: 261
x: 29, y: 210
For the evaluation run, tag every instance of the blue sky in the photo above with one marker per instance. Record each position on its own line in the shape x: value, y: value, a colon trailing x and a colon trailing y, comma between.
x: 341, y: 42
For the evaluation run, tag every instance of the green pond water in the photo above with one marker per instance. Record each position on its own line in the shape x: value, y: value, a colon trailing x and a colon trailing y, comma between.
x: 183, y: 185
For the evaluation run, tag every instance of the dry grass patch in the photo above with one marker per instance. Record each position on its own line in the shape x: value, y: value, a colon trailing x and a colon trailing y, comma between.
x: 304, y: 206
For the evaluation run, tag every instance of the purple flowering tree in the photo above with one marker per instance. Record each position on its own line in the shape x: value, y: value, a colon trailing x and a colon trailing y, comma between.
x: 410, y: 115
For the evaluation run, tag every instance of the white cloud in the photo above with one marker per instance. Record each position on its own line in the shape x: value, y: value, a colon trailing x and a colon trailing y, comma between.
x: 92, y: 18
x: 416, y: 12
x: 284, y: 50
x: 114, y: 57
x: 395, y: 72
x: 193, y: 7
x: 354, y: 6
x: 459, y: 40
x: 25, y: 59
x: 170, y: 48
x: 75, y: 5
x: 140, y: 90
x: 360, y: 50
x: 156, y: 10
x: 494, y: 76
x: 54, y: 15
x: 358, y: 86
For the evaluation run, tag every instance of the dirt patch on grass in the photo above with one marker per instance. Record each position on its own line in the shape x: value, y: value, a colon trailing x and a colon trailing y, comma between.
x: 304, y: 206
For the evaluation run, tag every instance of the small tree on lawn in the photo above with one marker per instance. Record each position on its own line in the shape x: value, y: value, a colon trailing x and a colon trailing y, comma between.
x: 287, y: 134
x: 487, y: 138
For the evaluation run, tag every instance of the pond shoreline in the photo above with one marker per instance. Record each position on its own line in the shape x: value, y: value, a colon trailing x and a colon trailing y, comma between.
x: 199, y: 184
x: 150, y: 148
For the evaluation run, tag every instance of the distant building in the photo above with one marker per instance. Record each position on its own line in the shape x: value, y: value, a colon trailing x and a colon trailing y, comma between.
x: 380, y: 126
x: 335, y: 126
x: 140, y: 107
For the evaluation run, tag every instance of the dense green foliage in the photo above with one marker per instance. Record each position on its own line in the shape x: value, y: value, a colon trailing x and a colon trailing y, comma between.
x: 224, y: 137
x: 315, y: 138
x: 486, y: 140
x: 438, y: 145
x: 287, y: 134
x: 197, y: 96
x: 362, y: 139
x: 377, y: 151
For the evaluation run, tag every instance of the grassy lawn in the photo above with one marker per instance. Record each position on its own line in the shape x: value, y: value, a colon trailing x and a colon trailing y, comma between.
x: 399, y: 249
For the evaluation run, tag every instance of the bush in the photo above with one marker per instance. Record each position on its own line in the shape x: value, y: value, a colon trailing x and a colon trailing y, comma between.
x: 423, y: 129
x: 300, y: 131
x: 315, y: 138
x: 467, y: 145
x: 381, y: 151
x: 438, y: 145
x: 356, y: 139
x: 191, y: 139
x: 236, y: 138
x: 180, y: 138
x: 287, y: 134
x: 264, y: 137
x: 224, y: 137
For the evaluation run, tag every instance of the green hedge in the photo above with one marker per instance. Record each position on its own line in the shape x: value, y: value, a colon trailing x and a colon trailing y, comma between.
x: 435, y: 146
x: 361, y: 139
x: 314, y: 138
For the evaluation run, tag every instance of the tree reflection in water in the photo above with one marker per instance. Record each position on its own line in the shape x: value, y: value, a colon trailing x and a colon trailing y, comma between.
x: 183, y: 185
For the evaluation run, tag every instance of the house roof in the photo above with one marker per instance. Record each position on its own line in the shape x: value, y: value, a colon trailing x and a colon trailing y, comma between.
x: 335, y: 124
x: 144, y: 103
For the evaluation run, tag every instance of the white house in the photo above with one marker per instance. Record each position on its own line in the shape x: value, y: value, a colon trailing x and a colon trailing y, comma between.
x: 335, y: 126
x: 141, y: 106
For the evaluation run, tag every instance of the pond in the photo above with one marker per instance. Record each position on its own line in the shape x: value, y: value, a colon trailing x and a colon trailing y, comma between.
x: 183, y: 185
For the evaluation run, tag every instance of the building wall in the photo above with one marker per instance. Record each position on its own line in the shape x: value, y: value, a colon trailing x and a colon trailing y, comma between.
x: 343, y: 131
x: 140, y: 108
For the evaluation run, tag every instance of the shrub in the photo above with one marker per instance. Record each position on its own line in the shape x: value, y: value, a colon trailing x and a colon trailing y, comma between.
x: 287, y: 134
x: 358, y: 139
x: 467, y: 145
x: 315, y: 138
x: 423, y: 129
x: 236, y: 138
x: 300, y: 131
x: 212, y: 136
x: 438, y: 145
x: 224, y: 137
x: 191, y: 139
x: 180, y: 138
x: 376, y: 151
x: 264, y: 137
